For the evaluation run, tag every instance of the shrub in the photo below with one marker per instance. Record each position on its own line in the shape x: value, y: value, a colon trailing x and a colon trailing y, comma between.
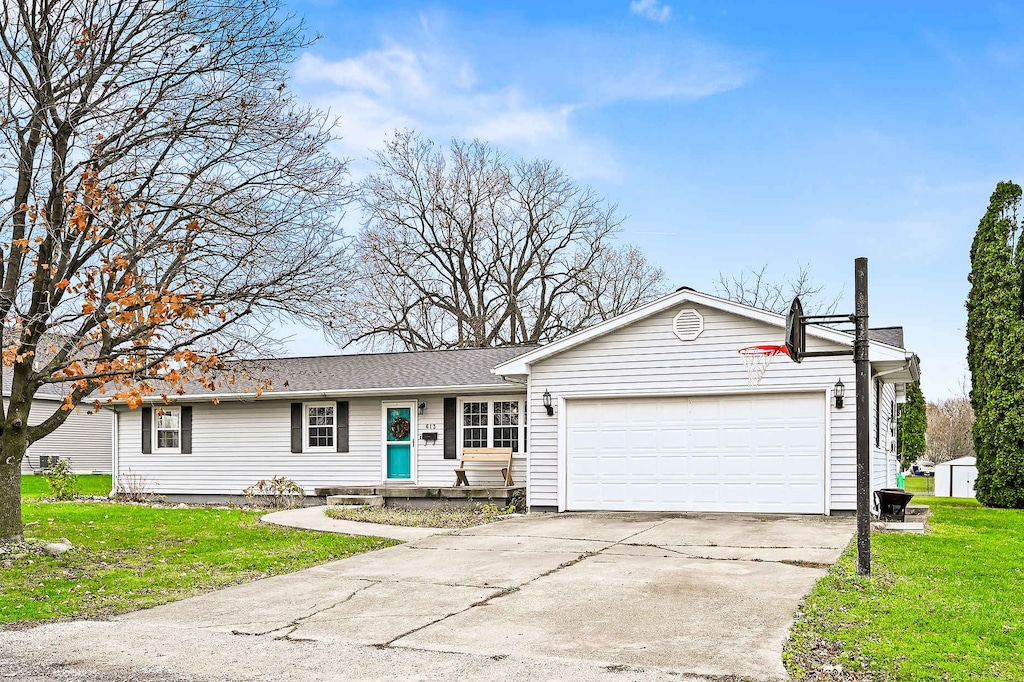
x: 133, y: 487
x: 62, y: 480
x: 277, y: 493
x: 491, y: 510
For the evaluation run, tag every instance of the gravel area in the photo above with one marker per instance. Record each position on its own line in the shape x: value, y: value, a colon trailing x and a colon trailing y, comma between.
x: 438, y: 517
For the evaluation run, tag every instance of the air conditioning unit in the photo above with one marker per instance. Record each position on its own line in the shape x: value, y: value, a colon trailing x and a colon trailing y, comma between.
x: 47, y: 461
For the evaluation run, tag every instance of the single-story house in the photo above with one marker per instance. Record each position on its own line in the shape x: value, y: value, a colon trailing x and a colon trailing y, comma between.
x: 651, y: 410
x: 85, y: 438
x: 956, y: 477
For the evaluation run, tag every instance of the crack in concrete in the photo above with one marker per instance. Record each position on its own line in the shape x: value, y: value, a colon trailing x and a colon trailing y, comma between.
x: 509, y: 590
x: 789, y: 562
x: 515, y: 550
x: 683, y: 544
x: 488, y: 599
x: 294, y: 624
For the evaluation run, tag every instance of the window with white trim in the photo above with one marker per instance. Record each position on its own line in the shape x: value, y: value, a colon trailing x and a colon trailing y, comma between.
x: 168, y: 428
x: 494, y: 423
x: 320, y: 425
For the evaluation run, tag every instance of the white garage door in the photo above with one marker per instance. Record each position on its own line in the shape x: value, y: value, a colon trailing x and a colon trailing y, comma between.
x: 747, y: 453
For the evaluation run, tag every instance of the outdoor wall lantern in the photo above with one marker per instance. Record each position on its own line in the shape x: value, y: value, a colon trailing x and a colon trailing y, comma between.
x: 421, y: 408
x: 547, y: 402
x: 838, y: 391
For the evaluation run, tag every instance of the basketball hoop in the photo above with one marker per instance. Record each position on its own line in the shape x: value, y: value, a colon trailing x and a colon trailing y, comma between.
x: 757, y: 358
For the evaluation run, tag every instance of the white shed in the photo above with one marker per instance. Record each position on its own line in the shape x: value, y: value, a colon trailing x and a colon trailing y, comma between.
x: 956, y: 477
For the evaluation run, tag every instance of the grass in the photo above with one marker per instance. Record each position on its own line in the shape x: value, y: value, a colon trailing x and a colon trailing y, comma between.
x: 920, y: 484
x: 436, y: 517
x: 941, y: 606
x: 128, y: 557
x: 94, y: 485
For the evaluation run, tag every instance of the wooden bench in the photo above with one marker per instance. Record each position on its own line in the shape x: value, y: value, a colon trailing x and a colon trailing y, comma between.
x: 496, y: 455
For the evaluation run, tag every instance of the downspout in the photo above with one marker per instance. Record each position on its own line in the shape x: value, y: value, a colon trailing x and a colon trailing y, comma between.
x: 114, y: 459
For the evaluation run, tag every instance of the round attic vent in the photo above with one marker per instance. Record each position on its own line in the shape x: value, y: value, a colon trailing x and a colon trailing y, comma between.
x: 688, y: 324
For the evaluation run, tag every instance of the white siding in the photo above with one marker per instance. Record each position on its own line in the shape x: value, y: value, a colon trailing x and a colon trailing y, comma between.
x: 435, y: 470
x: 234, y: 444
x: 83, y: 438
x: 646, y: 358
x: 884, y: 463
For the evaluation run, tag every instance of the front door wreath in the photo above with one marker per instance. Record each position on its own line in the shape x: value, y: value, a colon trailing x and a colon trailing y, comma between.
x: 400, y: 428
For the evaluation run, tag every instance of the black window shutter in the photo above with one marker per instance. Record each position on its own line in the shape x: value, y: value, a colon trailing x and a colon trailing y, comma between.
x: 147, y: 430
x: 341, y: 415
x: 186, y: 430
x: 451, y: 428
x: 296, y: 427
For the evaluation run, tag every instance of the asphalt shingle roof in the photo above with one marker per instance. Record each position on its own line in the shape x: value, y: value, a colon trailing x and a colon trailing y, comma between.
x: 891, y: 336
x: 340, y: 373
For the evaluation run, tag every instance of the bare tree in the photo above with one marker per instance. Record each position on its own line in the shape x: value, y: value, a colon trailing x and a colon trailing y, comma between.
x: 470, y: 249
x: 756, y: 289
x: 163, y: 195
x: 950, y: 424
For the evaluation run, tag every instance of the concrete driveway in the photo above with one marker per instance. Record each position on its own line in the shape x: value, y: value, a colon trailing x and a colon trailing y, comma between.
x: 582, y: 596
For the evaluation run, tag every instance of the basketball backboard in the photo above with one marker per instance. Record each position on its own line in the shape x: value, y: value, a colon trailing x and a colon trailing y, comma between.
x: 796, y: 335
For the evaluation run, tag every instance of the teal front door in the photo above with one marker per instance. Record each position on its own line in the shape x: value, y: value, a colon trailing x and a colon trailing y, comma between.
x: 398, y: 442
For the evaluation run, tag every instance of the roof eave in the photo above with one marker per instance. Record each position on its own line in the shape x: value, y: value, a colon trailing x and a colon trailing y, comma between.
x: 329, y: 393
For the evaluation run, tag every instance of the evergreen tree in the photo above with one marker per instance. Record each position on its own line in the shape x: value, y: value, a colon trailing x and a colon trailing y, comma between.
x: 995, y: 350
x: 912, y: 426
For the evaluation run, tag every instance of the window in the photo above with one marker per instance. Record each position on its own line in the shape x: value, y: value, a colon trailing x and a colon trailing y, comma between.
x: 493, y: 424
x: 168, y: 428
x: 474, y: 424
x: 320, y: 426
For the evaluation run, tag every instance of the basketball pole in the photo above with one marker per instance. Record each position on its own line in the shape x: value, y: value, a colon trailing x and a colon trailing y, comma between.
x: 861, y: 359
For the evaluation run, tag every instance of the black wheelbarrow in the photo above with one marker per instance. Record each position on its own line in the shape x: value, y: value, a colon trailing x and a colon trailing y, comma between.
x: 891, y: 503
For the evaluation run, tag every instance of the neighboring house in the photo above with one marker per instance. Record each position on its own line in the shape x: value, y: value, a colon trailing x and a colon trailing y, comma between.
x: 85, y: 439
x: 650, y: 411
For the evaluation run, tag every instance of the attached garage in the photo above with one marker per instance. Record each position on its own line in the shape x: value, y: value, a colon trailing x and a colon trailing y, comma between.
x: 654, y: 410
x: 749, y: 452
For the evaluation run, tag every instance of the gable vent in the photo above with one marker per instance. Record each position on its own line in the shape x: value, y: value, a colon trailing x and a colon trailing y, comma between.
x: 688, y: 324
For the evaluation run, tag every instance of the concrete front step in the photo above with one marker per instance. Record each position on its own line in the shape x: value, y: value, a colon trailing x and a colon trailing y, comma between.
x: 916, y: 527
x: 355, y: 500
x: 917, y: 510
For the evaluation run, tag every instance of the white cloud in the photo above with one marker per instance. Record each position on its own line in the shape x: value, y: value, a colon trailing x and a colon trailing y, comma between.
x: 437, y: 94
x: 651, y: 9
x: 530, y: 106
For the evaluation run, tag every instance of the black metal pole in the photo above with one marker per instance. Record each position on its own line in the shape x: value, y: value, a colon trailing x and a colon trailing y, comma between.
x: 863, y: 368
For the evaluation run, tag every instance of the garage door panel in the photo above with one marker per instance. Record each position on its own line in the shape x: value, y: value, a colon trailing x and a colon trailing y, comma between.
x: 703, y: 437
x: 671, y: 467
x: 700, y: 413
x: 703, y: 464
x: 725, y: 453
x: 644, y: 467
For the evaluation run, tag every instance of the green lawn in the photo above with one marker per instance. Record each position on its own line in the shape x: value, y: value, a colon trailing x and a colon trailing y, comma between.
x: 34, y: 487
x: 941, y: 606
x: 127, y: 557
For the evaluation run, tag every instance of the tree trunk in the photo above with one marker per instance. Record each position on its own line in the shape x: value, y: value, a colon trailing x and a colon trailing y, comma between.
x: 12, y: 450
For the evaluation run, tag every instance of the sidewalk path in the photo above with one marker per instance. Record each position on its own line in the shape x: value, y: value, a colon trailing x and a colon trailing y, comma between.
x: 314, y: 518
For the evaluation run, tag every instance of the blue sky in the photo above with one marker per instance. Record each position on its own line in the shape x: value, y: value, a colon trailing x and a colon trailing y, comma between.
x: 730, y: 134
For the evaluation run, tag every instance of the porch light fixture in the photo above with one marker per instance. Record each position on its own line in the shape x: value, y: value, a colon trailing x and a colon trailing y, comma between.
x: 838, y: 391
x: 421, y: 408
x: 547, y: 403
